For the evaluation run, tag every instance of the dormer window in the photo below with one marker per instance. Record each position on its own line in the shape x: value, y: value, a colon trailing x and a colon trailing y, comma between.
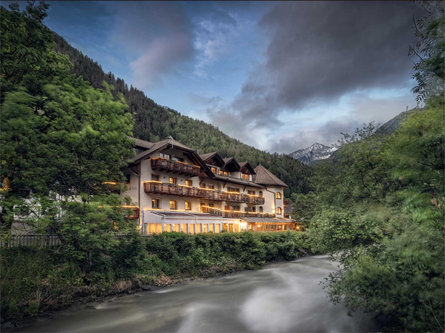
x: 214, y: 170
x: 223, y: 173
x: 166, y: 156
x: 245, y: 176
x: 278, y: 195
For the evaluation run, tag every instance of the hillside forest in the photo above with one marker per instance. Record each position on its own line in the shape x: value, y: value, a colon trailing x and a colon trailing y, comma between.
x: 377, y: 207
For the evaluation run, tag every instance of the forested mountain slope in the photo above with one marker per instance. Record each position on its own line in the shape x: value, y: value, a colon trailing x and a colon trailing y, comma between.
x: 154, y: 122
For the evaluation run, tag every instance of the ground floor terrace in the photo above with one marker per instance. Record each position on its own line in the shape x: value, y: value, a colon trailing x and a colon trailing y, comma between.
x: 159, y: 222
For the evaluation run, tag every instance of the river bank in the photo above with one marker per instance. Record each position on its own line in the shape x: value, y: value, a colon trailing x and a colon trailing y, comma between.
x: 281, y: 297
x: 39, y: 286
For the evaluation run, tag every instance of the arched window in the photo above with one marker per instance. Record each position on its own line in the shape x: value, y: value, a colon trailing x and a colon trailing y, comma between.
x: 278, y: 195
x: 261, y: 209
x: 279, y: 210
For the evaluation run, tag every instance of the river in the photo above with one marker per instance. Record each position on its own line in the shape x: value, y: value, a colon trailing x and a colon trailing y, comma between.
x: 282, y: 297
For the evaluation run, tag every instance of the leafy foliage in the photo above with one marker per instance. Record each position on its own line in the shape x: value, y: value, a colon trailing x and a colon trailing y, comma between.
x: 380, y: 209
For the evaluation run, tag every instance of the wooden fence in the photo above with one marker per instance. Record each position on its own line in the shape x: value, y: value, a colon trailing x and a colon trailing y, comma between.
x: 39, y: 240
x: 28, y: 240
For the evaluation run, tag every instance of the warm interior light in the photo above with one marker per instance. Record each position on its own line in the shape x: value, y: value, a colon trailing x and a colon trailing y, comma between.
x: 109, y: 183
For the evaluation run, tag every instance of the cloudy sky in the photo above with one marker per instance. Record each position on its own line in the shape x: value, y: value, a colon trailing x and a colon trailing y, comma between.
x: 278, y: 76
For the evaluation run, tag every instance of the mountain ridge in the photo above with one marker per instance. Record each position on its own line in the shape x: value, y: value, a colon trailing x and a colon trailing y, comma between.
x: 153, y: 122
x: 317, y: 151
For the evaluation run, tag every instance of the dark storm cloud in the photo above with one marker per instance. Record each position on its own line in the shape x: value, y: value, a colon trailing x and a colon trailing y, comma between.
x: 320, y: 51
x: 363, y: 110
x: 159, y: 34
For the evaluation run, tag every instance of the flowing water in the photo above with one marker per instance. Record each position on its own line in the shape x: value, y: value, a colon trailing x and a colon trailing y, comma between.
x: 283, y: 297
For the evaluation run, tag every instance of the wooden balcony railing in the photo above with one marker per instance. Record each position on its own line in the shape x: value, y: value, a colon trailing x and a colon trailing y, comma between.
x: 256, y: 200
x: 162, y: 164
x: 174, y: 189
x: 233, y: 214
x: 133, y: 212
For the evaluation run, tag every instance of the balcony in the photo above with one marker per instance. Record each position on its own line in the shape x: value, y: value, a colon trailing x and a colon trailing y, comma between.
x: 254, y: 200
x: 132, y: 212
x: 174, y: 189
x: 234, y: 213
x: 162, y: 164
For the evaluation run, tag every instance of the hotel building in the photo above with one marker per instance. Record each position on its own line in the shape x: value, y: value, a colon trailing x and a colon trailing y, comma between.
x: 173, y: 188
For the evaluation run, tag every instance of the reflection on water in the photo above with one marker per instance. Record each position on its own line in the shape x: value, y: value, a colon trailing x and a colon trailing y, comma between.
x: 284, y: 297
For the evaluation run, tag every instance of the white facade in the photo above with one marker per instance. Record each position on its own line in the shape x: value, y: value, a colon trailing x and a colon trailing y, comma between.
x: 227, y: 197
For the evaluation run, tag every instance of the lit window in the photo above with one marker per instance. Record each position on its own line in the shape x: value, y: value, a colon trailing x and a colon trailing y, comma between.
x: 278, y: 195
x: 223, y: 173
x: 155, y: 177
x: 214, y: 170
x: 279, y: 210
x: 245, y: 176
x: 188, y: 182
x: 155, y: 203
x: 188, y: 205
x: 173, y: 180
x: 173, y: 204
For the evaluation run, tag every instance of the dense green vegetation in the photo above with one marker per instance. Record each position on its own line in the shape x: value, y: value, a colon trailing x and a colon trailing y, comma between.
x: 379, y: 206
x: 34, y: 280
x: 153, y: 122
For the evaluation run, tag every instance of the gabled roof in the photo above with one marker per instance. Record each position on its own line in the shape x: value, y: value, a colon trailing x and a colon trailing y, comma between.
x: 142, y: 143
x: 161, y: 145
x: 238, y: 181
x: 265, y: 177
x: 215, y: 156
x: 170, y: 142
x: 231, y: 163
x: 246, y: 165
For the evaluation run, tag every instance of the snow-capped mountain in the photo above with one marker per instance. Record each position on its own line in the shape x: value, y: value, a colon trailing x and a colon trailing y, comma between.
x: 313, y: 153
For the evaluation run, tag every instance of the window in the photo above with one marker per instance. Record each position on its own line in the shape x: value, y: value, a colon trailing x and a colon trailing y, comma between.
x: 260, y: 194
x: 202, y: 185
x: 173, y: 180
x: 261, y: 209
x: 279, y: 210
x: 278, y: 195
x: 128, y: 178
x: 212, y: 187
x: 188, y: 205
x: 155, y: 177
x: 223, y: 173
x: 188, y: 182
x: 214, y: 170
x: 173, y: 204
x: 245, y: 176
x: 166, y: 156
x: 233, y: 189
x: 251, y: 192
x: 155, y: 203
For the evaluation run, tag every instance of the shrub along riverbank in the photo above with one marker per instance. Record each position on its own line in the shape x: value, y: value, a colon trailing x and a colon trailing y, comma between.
x: 34, y: 280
